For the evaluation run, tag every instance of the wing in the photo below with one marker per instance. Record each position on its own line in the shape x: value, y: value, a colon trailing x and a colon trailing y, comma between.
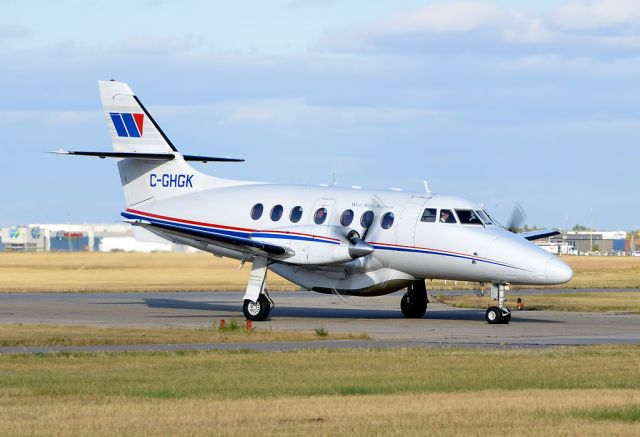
x: 536, y: 235
x: 201, y: 238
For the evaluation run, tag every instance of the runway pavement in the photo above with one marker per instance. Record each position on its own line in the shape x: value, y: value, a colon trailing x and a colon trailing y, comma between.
x: 379, y: 317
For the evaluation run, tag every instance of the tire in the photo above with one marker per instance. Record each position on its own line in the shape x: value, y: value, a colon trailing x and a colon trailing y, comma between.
x: 412, y: 310
x: 258, y: 311
x: 506, y: 318
x: 493, y: 315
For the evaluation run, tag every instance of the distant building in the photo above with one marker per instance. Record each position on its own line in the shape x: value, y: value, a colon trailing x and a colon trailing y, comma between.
x: 68, y: 237
x: 584, y: 242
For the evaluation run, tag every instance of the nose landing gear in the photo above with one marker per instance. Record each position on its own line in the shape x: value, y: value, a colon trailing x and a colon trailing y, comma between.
x: 498, y: 314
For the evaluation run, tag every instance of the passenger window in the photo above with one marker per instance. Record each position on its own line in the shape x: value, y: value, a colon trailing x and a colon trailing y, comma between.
x: 446, y: 216
x: 366, y: 219
x: 276, y: 213
x: 256, y: 211
x: 428, y: 215
x: 468, y: 217
x: 346, y: 218
x: 320, y: 216
x: 296, y: 214
x: 387, y: 220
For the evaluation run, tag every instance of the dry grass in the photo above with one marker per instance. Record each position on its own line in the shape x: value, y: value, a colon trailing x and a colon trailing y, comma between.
x: 588, y: 302
x: 567, y: 391
x: 604, y: 271
x: 105, y: 272
x: 527, y: 413
x: 588, y: 272
x: 47, y: 335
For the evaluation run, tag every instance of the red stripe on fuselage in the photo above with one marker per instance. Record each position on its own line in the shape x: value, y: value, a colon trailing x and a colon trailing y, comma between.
x: 213, y: 225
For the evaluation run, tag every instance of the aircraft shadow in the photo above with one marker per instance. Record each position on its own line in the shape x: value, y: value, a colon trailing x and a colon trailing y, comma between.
x: 231, y: 310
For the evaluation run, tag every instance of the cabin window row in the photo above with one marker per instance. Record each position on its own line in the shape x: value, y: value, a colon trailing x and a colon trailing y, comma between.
x: 320, y: 216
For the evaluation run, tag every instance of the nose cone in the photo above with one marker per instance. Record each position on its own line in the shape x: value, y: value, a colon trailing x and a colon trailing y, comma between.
x: 359, y: 248
x: 557, y: 271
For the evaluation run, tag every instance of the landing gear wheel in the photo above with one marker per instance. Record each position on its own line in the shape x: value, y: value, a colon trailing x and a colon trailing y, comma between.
x: 257, y: 311
x: 412, y: 308
x: 506, y: 316
x: 494, y: 315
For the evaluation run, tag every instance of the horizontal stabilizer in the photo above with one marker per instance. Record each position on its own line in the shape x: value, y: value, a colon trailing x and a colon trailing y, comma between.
x: 148, y: 156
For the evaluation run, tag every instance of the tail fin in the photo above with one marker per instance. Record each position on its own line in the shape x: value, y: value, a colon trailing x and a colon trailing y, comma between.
x: 132, y: 127
x: 134, y: 133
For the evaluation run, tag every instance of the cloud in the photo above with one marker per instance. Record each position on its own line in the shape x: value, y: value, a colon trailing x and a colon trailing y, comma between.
x: 596, y: 14
x: 464, y: 26
x: 157, y: 45
x: 12, y: 31
x: 448, y: 21
x: 296, y: 110
x: 15, y: 116
x: 453, y: 17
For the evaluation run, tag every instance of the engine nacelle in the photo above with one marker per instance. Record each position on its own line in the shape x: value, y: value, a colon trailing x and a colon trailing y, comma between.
x: 315, y: 245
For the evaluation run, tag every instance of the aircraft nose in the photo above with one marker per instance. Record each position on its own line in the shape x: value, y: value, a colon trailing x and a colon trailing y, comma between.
x: 558, y: 271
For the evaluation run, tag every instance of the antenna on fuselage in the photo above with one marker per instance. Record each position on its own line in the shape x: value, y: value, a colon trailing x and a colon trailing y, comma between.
x: 334, y: 181
x: 426, y: 186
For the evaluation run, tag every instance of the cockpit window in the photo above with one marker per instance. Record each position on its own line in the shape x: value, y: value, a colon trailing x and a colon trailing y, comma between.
x: 446, y: 216
x: 468, y: 217
x: 484, y: 217
x: 428, y: 215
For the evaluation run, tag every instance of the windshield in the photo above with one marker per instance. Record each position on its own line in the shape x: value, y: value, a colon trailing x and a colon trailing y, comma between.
x: 484, y: 217
x: 468, y: 217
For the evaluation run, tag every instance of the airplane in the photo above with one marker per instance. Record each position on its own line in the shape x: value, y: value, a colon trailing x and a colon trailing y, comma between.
x: 327, y: 239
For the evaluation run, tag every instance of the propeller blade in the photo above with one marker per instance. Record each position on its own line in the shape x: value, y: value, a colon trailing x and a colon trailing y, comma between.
x: 517, y: 219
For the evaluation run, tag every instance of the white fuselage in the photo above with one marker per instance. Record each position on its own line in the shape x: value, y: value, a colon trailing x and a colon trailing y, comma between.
x: 407, y: 250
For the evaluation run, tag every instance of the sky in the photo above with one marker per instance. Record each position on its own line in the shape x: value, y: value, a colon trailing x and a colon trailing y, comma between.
x: 500, y: 102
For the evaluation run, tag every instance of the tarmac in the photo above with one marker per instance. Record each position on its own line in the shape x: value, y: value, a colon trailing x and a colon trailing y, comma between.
x: 378, y: 317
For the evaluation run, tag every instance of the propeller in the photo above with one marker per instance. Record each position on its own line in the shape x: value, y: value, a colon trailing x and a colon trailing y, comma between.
x: 358, y: 247
x: 518, y: 217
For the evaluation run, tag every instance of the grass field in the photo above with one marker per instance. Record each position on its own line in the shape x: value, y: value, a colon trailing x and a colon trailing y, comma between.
x: 590, y: 302
x: 104, y: 272
x: 564, y: 391
x: 234, y: 332
x: 588, y: 272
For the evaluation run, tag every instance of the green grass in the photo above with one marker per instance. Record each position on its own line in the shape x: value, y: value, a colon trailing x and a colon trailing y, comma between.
x: 563, y: 391
x: 314, y: 373
x: 624, y: 414
x: 321, y: 332
x: 19, y: 335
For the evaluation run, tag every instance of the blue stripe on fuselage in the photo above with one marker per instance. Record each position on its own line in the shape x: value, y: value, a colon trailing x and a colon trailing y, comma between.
x: 453, y: 255
x: 212, y: 230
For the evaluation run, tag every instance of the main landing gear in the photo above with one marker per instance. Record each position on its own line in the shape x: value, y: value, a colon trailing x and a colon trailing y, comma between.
x: 498, y: 314
x: 257, y: 303
x: 414, y: 301
x: 257, y: 311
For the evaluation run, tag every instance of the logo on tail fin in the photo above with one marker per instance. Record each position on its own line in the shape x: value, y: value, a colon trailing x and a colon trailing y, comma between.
x: 128, y: 124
